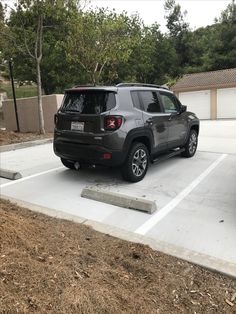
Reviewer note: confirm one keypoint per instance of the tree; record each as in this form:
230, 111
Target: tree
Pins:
2, 39
4, 66
100, 39
175, 18
229, 14
179, 34
200, 43
152, 59
26, 28
22, 28
223, 52
141, 60
207, 48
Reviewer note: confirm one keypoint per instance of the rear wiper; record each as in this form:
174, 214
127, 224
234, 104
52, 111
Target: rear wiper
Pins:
68, 111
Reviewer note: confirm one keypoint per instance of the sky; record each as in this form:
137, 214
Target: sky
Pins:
200, 12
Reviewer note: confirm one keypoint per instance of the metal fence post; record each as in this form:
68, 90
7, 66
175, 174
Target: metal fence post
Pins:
14, 95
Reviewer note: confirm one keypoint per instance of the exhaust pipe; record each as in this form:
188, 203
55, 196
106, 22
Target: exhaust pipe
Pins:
77, 165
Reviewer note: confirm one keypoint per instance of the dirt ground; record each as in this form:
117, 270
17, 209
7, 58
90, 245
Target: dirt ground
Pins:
10, 137
49, 265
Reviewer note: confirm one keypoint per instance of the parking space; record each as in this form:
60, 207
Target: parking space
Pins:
218, 136
205, 221
162, 183
196, 199
30, 160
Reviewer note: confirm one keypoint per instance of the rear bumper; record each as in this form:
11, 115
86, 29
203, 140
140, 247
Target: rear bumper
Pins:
87, 153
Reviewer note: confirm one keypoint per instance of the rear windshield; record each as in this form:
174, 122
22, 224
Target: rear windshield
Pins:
89, 102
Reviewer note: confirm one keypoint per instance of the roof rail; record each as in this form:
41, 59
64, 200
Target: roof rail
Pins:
89, 85
140, 85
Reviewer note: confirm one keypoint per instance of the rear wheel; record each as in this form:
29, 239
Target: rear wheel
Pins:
191, 145
136, 164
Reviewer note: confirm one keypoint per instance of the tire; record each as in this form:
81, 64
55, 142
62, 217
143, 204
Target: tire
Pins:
191, 145
136, 164
68, 164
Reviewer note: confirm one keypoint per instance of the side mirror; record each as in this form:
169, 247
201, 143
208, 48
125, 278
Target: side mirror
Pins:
183, 109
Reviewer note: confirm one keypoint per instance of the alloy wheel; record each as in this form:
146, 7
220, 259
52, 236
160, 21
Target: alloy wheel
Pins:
139, 162
192, 143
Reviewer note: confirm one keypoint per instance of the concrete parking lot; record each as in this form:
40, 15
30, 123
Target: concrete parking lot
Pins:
195, 198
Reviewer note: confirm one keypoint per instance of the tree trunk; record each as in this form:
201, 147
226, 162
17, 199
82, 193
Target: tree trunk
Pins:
93, 76
40, 105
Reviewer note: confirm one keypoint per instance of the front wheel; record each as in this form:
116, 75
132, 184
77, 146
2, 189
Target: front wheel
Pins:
191, 145
136, 164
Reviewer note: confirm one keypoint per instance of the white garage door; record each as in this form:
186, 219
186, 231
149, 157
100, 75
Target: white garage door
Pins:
197, 102
226, 103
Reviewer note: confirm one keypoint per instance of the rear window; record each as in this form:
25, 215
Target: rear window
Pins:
135, 100
89, 102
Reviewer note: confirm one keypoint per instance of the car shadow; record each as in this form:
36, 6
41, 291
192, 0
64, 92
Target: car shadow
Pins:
94, 175
108, 177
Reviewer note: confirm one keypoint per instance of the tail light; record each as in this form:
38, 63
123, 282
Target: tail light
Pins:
112, 122
107, 156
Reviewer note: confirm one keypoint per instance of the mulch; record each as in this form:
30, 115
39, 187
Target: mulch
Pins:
10, 137
49, 265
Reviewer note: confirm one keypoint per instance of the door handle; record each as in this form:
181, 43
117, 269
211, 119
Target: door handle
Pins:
149, 121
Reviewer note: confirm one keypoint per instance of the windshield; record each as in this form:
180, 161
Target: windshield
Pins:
89, 102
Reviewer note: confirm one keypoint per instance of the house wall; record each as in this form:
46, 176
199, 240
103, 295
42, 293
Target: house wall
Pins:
213, 104
214, 98
27, 109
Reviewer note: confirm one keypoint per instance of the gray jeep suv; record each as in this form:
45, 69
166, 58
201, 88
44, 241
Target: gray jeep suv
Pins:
126, 126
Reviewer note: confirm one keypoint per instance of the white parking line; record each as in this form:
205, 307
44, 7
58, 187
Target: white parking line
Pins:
150, 223
30, 177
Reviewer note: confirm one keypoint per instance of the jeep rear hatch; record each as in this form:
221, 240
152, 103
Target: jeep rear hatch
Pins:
88, 102
82, 109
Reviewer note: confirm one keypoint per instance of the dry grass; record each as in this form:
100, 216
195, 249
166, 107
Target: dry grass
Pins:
10, 137
55, 266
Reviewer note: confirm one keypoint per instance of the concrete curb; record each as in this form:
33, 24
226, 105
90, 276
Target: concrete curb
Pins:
44, 210
120, 200
211, 263
6, 148
9, 174
206, 261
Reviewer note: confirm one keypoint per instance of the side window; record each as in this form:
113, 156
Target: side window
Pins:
135, 100
150, 101
169, 102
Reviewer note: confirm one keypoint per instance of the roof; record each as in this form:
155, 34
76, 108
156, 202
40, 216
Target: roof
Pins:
205, 80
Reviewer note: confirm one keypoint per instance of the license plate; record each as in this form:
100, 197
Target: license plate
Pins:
77, 126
